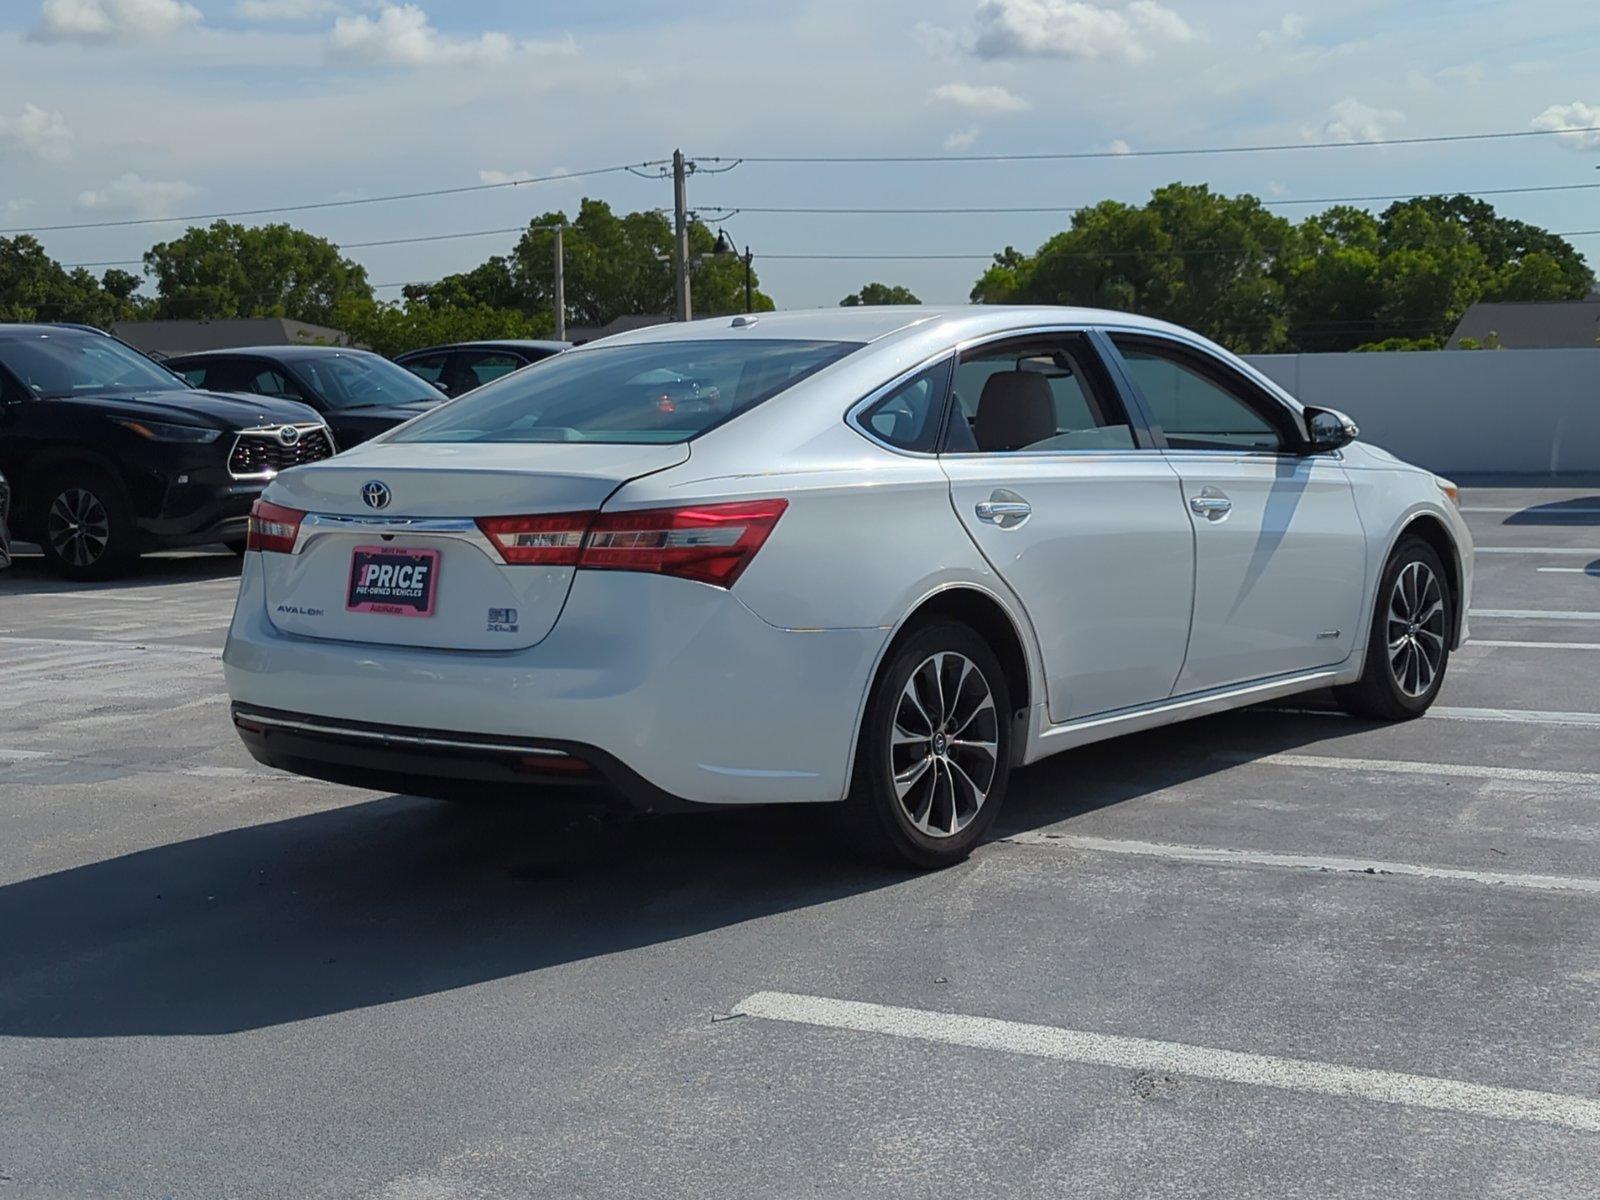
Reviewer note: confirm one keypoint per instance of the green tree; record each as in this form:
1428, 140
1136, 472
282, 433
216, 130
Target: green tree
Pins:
34, 287
614, 266
880, 293
226, 270
394, 328
1214, 263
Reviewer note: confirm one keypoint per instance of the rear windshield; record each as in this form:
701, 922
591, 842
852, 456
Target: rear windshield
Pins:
651, 392
356, 380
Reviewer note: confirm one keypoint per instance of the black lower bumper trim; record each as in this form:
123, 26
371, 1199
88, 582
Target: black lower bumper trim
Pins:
444, 764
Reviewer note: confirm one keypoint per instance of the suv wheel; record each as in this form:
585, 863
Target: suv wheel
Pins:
1408, 643
86, 526
934, 754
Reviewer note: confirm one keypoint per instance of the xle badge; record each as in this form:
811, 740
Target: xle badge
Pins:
502, 620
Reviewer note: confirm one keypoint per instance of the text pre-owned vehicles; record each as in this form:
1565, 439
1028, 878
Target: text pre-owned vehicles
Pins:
357, 392
913, 549
459, 368
109, 454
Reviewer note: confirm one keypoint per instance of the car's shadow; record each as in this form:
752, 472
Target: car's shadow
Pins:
29, 575
391, 898
1581, 510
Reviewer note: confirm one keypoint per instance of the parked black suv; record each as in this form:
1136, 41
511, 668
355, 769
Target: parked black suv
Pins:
457, 369
109, 454
357, 392
5, 531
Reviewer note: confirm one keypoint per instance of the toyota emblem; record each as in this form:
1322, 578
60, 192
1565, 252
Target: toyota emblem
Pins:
375, 494
288, 435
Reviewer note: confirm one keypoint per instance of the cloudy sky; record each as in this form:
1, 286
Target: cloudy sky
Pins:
115, 110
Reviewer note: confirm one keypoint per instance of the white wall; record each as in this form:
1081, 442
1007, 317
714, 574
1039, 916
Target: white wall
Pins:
1521, 411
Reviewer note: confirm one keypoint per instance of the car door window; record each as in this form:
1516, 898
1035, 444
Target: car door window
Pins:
908, 416
196, 375
1199, 403
269, 381
1036, 394
482, 368
426, 366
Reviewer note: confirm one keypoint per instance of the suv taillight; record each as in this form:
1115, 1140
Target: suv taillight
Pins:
273, 527
710, 543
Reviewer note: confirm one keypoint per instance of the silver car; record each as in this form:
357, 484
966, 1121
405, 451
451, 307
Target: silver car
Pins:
908, 551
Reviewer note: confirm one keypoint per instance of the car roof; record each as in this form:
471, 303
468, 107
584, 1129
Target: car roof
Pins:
41, 327
872, 323
280, 352
492, 344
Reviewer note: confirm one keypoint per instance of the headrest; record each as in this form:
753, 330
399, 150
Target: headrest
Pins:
1015, 410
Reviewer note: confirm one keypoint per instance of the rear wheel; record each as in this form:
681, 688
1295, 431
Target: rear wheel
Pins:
86, 525
1408, 645
933, 757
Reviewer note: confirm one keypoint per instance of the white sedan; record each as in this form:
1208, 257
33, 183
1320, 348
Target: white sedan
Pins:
899, 552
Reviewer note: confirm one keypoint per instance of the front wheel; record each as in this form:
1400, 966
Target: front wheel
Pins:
1408, 645
86, 526
934, 754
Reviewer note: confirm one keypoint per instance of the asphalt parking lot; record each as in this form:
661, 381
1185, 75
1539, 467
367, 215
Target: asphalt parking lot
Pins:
1278, 952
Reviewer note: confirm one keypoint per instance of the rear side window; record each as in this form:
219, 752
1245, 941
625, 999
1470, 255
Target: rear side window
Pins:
1040, 394
909, 416
486, 368
650, 392
426, 366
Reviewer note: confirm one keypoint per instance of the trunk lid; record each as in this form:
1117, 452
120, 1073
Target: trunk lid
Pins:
431, 495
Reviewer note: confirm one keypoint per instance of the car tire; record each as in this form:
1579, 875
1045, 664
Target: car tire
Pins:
85, 525
1408, 642
236, 545
940, 681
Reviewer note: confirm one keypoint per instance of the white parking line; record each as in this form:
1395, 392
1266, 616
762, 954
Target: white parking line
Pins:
1445, 712
1202, 1062
1563, 570
1568, 550
1534, 645
1302, 862
105, 643
20, 755
1531, 614
1328, 762
1533, 510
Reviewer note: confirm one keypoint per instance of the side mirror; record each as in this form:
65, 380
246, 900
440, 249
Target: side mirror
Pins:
1329, 429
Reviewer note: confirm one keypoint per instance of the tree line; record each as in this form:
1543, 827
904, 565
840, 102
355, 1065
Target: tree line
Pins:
1225, 266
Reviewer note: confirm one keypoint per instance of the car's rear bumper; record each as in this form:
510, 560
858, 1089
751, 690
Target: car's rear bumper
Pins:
675, 683
440, 763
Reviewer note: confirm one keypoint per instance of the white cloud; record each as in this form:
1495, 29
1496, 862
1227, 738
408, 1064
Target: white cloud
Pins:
132, 193
1291, 29
402, 35
1074, 29
111, 20
979, 98
489, 175
1577, 115
961, 139
1120, 146
37, 132
1353, 121
286, 10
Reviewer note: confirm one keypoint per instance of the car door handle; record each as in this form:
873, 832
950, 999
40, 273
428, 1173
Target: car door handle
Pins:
998, 512
1213, 508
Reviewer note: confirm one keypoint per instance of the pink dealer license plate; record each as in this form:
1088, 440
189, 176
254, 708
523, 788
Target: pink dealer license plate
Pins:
399, 581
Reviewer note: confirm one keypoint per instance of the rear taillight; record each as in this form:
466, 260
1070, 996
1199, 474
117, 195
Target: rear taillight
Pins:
273, 527
710, 543
551, 540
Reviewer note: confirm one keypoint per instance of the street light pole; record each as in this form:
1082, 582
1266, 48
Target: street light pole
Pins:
748, 290
561, 289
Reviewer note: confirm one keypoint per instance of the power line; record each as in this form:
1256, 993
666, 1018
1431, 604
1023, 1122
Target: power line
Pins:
287, 208
1171, 152
736, 209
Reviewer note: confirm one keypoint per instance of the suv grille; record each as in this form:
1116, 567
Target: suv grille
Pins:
266, 452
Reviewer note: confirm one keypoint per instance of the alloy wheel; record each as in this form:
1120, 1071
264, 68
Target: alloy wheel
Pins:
78, 527
1416, 629
944, 746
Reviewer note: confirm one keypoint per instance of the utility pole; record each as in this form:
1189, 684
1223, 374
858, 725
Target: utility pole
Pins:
680, 240
748, 257
561, 289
